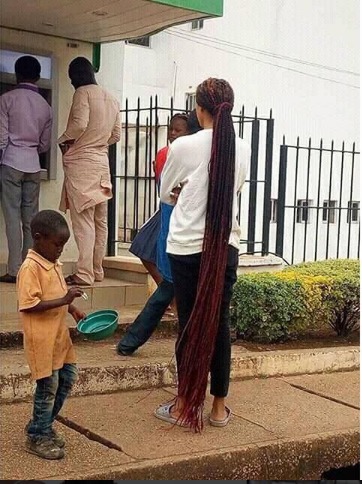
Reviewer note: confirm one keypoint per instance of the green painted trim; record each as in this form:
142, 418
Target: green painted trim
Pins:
208, 7
96, 56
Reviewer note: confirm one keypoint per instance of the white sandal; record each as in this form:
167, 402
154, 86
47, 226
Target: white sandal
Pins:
221, 423
163, 412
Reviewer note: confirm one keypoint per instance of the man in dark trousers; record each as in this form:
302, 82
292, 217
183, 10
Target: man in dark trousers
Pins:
25, 132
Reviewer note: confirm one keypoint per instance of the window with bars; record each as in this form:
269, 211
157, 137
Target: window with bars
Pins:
190, 101
329, 211
304, 211
274, 210
197, 24
142, 41
353, 212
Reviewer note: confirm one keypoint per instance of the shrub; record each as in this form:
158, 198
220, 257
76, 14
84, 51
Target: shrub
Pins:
342, 299
330, 267
276, 306
267, 308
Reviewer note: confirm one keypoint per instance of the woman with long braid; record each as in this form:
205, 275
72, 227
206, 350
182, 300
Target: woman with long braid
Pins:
203, 244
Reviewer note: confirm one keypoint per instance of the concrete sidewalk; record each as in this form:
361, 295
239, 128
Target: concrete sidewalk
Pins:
282, 428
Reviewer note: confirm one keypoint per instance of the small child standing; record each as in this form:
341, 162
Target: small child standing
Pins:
44, 301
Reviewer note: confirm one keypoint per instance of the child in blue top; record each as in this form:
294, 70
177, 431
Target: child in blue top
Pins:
163, 262
146, 322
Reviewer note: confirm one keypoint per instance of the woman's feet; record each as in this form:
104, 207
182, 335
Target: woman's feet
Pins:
220, 419
171, 412
168, 413
220, 414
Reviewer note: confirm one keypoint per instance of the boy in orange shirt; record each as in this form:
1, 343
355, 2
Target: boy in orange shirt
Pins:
44, 301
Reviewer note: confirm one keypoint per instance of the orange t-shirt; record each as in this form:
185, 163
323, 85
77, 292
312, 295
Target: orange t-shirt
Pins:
47, 340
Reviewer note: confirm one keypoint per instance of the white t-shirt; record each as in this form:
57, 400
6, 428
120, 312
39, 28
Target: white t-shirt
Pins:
188, 163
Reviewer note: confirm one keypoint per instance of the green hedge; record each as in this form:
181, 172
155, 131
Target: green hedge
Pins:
276, 306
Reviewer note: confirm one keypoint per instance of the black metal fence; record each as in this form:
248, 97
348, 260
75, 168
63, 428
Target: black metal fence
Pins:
312, 214
318, 202
144, 133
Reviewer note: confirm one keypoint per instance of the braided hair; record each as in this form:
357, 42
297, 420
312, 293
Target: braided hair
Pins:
182, 116
217, 97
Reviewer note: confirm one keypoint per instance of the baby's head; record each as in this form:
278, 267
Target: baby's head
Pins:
50, 233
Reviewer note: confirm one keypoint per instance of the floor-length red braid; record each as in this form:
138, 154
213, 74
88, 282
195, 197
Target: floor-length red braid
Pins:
202, 326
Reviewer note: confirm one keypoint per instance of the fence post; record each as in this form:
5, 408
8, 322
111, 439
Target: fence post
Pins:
137, 169
349, 211
281, 199
253, 184
268, 184
112, 222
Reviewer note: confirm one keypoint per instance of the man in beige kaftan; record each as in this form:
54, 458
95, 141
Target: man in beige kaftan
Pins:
93, 125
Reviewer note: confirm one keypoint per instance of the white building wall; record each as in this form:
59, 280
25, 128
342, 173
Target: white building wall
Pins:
298, 57
315, 102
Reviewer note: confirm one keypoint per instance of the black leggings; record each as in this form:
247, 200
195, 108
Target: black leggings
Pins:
185, 273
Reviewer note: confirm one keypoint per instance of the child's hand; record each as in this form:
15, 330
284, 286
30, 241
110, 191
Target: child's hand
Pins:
72, 294
77, 314
174, 194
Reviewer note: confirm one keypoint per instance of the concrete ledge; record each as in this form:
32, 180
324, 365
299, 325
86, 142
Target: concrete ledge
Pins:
255, 263
128, 268
94, 381
114, 378
124, 263
259, 260
68, 267
110, 293
306, 458
295, 362
247, 263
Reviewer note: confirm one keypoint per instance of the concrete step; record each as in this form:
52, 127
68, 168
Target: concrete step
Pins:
109, 293
128, 268
123, 247
101, 370
131, 265
277, 432
68, 267
257, 263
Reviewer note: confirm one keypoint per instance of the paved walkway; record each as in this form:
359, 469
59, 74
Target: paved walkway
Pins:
282, 428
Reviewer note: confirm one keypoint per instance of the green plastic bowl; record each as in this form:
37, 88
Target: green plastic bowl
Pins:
99, 325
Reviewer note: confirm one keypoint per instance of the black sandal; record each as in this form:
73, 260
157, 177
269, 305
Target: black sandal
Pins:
8, 279
72, 281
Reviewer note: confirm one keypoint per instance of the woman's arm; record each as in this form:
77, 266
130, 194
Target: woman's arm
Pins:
173, 174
